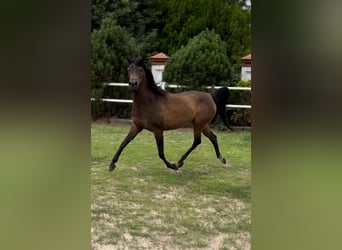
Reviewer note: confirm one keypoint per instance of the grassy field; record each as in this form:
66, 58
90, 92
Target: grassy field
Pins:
144, 205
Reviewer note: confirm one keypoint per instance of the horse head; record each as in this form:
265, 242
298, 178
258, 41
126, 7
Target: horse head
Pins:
136, 74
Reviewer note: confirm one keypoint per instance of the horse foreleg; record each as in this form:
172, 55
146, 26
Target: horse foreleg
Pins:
131, 134
160, 144
212, 137
197, 141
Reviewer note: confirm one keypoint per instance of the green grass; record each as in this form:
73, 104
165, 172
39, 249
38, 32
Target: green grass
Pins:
144, 205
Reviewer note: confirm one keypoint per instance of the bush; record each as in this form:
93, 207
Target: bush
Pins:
111, 46
202, 62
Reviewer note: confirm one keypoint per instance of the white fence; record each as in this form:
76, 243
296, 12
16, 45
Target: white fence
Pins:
163, 85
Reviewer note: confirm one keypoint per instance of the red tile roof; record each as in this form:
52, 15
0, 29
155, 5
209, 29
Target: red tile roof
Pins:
248, 57
246, 61
160, 55
159, 59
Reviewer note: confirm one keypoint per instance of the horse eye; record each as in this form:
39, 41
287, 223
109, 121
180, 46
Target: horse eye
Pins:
141, 70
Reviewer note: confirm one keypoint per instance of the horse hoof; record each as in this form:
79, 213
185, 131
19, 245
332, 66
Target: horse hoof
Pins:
111, 167
173, 166
223, 160
180, 164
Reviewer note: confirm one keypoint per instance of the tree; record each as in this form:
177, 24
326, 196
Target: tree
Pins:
139, 17
111, 46
101, 9
184, 19
202, 62
236, 30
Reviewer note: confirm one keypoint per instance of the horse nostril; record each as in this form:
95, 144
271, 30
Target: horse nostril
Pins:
134, 85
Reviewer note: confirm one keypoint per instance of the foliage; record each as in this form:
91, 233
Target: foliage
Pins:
200, 63
101, 9
241, 117
167, 25
111, 47
184, 19
139, 17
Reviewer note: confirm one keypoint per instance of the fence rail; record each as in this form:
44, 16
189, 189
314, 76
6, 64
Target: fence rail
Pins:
163, 85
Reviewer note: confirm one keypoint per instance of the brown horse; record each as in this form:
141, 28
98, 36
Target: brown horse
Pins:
157, 110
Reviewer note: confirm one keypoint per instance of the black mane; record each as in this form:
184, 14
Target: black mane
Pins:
149, 78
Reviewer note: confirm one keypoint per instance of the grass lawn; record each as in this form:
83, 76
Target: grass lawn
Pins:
144, 205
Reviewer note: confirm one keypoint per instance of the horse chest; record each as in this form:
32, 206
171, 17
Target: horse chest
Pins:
145, 117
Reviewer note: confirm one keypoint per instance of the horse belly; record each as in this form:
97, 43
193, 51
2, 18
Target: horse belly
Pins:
179, 113
182, 119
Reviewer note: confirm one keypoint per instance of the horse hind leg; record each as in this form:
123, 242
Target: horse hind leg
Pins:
212, 137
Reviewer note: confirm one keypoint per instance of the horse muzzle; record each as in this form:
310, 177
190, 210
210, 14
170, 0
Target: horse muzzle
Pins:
134, 85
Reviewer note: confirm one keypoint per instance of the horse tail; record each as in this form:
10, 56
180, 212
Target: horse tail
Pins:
220, 97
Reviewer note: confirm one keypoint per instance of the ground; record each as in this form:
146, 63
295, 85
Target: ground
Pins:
144, 205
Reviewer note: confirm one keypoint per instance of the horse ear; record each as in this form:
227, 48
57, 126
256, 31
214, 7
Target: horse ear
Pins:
143, 60
129, 60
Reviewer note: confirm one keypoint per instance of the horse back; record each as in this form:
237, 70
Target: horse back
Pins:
198, 99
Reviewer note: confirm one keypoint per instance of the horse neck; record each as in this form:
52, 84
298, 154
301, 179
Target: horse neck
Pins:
144, 102
143, 95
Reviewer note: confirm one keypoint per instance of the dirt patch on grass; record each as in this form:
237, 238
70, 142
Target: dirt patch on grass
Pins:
240, 241
169, 194
216, 242
177, 223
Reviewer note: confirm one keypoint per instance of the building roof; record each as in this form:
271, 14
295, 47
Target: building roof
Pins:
159, 59
246, 61
160, 55
247, 57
